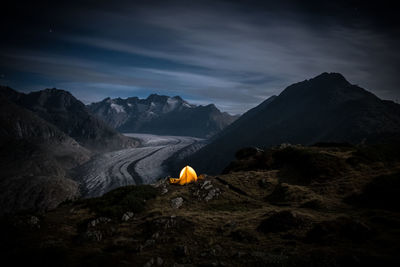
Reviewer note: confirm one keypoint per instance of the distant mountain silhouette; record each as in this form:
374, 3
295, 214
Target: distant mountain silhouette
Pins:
326, 108
71, 116
159, 114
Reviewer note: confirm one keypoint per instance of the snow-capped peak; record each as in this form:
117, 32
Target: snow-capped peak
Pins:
117, 108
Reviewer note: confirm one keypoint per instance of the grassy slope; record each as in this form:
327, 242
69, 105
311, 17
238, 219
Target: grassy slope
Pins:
263, 216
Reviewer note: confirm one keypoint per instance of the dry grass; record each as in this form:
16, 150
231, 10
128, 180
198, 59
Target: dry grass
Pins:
260, 218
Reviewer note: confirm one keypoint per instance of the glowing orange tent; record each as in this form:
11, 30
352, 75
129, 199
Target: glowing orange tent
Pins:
186, 176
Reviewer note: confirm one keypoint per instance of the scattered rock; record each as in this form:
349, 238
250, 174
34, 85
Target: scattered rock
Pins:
100, 220
206, 183
208, 187
211, 194
206, 191
164, 190
93, 235
127, 216
176, 203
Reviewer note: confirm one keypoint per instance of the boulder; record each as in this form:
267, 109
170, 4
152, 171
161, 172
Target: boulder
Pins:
100, 220
127, 216
176, 203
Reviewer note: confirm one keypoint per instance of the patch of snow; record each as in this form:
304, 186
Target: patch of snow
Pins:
186, 104
172, 104
117, 108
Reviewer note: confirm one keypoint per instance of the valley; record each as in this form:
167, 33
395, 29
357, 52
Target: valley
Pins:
132, 166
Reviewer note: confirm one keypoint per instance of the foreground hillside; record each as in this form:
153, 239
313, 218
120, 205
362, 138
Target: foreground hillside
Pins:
289, 206
324, 108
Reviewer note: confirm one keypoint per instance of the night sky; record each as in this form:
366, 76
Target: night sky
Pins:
231, 53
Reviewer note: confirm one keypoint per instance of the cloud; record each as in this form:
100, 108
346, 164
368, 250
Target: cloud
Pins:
233, 55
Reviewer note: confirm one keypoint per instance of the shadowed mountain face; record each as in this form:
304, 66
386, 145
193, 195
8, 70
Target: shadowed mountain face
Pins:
71, 116
43, 135
326, 108
34, 159
161, 115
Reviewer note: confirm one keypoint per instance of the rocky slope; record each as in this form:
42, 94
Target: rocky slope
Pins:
34, 159
287, 206
71, 116
325, 108
161, 115
43, 136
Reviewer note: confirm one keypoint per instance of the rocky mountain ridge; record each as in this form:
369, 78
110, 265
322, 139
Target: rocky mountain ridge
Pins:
164, 115
43, 135
62, 109
34, 160
326, 108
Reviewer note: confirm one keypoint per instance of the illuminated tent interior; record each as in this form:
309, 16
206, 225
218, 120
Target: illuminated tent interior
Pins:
186, 176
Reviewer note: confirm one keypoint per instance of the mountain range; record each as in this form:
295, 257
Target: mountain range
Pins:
43, 135
34, 159
164, 115
71, 116
326, 108
315, 181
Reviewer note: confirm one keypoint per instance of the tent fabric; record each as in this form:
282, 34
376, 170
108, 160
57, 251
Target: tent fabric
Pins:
187, 175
